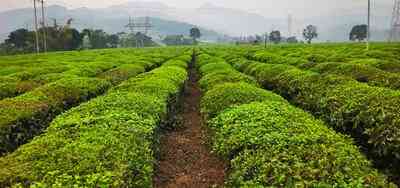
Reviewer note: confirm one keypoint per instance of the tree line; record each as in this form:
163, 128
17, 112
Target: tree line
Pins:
65, 38
358, 33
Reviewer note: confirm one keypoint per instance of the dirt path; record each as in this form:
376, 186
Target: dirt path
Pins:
185, 159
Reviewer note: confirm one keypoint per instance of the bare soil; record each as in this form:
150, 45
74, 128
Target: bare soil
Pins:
185, 159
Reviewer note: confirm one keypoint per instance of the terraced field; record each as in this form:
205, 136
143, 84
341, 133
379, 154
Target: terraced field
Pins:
210, 116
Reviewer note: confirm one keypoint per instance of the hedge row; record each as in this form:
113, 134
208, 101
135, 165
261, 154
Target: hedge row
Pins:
360, 72
215, 71
382, 56
13, 85
107, 142
23, 117
272, 144
121, 73
18, 83
370, 114
23, 75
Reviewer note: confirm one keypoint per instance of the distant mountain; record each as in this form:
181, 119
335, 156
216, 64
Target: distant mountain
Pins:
112, 20
214, 21
230, 21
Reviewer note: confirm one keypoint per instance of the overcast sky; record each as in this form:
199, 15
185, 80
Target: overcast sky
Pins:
268, 8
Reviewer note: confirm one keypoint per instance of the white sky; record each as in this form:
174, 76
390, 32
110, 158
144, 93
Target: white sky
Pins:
269, 8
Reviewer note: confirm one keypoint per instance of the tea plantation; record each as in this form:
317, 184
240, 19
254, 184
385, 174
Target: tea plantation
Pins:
323, 115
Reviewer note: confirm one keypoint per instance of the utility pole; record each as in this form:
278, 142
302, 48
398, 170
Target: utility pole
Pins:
369, 24
290, 23
44, 27
395, 24
36, 27
265, 39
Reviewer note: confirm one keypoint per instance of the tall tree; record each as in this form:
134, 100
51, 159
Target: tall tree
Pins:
309, 33
171, 40
21, 40
275, 37
98, 38
358, 32
195, 34
62, 38
292, 40
113, 40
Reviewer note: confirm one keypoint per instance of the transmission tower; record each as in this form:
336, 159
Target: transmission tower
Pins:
131, 25
395, 25
143, 27
147, 25
290, 24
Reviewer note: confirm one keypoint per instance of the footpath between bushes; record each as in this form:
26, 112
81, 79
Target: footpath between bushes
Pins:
185, 159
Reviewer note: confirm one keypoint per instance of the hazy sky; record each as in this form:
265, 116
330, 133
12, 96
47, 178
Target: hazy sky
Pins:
268, 8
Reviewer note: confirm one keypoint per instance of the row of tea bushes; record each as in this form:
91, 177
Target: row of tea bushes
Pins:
383, 56
12, 86
363, 69
106, 142
20, 74
272, 144
23, 117
360, 72
370, 114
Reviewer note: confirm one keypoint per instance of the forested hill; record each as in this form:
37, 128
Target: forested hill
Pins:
96, 19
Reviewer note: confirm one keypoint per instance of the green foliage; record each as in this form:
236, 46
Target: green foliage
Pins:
122, 73
107, 142
275, 144
224, 76
320, 95
271, 143
195, 33
309, 33
316, 58
362, 73
358, 32
158, 82
178, 63
137, 40
51, 87
275, 37
354, 107
175, 40
214, 67
23, 117
368, 113
21, 74
228, 95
